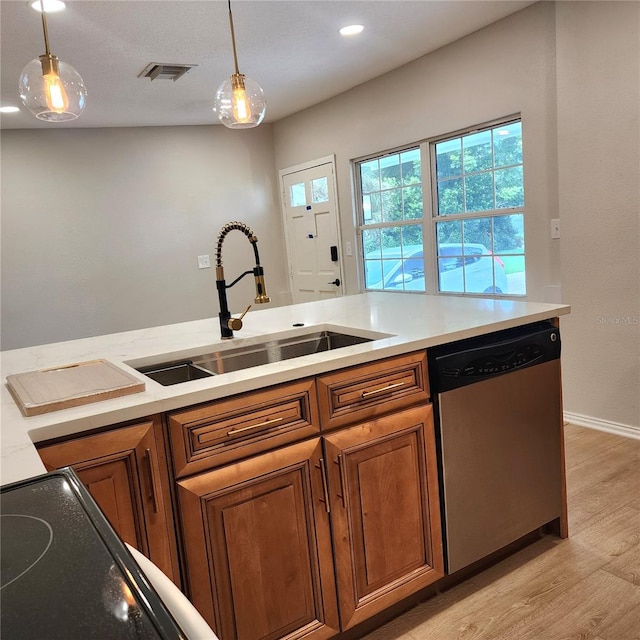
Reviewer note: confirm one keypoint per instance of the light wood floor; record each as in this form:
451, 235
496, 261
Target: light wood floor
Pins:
584, 588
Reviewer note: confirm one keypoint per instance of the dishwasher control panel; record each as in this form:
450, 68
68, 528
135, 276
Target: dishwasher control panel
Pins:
473, 360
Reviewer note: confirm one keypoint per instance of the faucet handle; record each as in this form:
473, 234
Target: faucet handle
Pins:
235, 324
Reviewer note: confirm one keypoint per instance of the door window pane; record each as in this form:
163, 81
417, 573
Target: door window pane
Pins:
297, 195
320, 190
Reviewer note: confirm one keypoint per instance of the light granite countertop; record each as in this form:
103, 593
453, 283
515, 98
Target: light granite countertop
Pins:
412, 322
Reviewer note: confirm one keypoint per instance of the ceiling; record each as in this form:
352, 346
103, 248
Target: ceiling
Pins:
291, 47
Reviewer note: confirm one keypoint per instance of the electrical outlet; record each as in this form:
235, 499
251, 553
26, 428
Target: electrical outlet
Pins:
555, 228
348, 248
204, 262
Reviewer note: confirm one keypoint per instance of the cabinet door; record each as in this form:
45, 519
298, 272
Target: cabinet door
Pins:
125, 471
258, 546
385, 511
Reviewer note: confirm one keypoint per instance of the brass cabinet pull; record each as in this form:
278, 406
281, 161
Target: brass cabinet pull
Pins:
266, 423
389, 387
343, 482
325, 487
152, 480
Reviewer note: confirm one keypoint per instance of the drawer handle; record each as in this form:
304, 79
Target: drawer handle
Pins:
266, 423
375, 392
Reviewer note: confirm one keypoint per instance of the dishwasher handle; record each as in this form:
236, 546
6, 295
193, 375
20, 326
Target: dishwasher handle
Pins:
470, 362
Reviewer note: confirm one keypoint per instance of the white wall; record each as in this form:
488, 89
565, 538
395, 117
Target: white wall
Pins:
101, 228
599, 170
503, 69
581, 145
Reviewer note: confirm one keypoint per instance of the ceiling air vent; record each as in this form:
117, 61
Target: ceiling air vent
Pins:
164, 71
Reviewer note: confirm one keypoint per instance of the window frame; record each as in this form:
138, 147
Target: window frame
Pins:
430, 215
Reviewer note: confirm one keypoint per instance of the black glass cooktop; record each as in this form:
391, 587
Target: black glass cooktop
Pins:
65, 573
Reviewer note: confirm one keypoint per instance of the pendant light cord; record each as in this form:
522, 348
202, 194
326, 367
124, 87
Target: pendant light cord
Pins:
44, 29
233, 39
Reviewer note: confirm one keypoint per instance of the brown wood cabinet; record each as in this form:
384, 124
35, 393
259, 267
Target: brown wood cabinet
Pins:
279, 543
385, 511
258, 546
125, 470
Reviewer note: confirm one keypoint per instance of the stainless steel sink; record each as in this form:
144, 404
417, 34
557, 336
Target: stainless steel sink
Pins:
170, 373
235, 359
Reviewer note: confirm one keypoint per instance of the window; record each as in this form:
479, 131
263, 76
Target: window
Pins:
480, 173
392, 214
474, 241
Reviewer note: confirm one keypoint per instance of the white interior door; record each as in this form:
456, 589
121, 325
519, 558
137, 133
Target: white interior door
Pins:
311, 223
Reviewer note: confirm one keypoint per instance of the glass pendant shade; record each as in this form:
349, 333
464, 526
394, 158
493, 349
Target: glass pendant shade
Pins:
52, 90
240, 102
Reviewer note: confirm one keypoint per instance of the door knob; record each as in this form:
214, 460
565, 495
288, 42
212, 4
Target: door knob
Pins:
336, 282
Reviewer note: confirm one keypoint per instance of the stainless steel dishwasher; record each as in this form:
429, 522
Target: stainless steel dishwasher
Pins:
500, 421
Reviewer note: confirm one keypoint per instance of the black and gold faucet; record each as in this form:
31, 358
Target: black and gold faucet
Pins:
228, 324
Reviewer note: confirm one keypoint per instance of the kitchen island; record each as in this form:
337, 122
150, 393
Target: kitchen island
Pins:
338, 448
413, 322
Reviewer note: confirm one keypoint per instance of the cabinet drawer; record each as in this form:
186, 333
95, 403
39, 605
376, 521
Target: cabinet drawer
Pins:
372, 390
226, 430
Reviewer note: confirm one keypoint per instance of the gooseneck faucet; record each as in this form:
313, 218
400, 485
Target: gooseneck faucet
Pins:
228, 324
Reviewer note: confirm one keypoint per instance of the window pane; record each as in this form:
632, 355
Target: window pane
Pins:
509, 251
509, 188
410, 167
390, 171
449, 158
477, 152
372, 244
372, 208
319, 190
478, 192
447, 232
509, 233
399, 263
412, 203
450, 197
297, 195
507, 144
370, 176
391, 205
478, 232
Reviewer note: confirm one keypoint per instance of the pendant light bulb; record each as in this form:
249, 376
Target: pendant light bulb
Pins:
240, 102
51, 89
54, 92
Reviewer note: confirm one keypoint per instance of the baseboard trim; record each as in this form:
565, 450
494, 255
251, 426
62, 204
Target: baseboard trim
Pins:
617, 428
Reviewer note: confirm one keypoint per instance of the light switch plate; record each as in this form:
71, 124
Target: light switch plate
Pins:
204, 262
349, 250
555, 228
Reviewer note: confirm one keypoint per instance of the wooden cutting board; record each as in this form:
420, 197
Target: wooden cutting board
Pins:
45, 390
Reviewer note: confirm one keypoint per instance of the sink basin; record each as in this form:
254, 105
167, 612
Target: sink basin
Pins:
253, 355
175, 372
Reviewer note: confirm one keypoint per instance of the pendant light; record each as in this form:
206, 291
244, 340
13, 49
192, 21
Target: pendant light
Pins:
51, 89
240, 102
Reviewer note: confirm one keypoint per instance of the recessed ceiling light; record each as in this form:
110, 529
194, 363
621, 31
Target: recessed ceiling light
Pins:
9, 109
50, 6
352, 30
